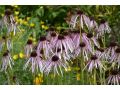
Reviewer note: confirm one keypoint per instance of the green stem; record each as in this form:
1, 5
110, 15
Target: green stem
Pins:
104, 77
101, 79
94, 76
8, 78
82, 72
104, 44
90, 81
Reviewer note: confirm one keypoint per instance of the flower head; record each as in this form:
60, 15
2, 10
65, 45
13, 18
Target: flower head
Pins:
114, 77
35, 62
79, 19
55, 64
6, 61
9, 22
103, 28
94, 62
29, 47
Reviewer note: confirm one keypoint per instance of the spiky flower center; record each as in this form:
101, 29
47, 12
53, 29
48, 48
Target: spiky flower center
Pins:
14, 78
61, 37
114, 72
82, 44
65, 33
43, 38
117, 50
94, 57
76, 31
91, 18
58, 49
102, 21
29, 42
89, 35
8, 12
3, 37
5, 54
79, 12
55, 58
112, 44
53, 34
33, 54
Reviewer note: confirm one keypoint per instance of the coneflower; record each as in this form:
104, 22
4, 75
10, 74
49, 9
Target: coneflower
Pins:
53, 39
2, 42
100, 52
29, 47
69, 43
10, 22
92, 24
6, 61
35, 63
114, 77
110, 51
64, 42
44, 45
103, 28
116, 56
5, 42
94, 62
49, 32
83, 50
86, 38
55, 64
92, 39
62, 55
75, 36
81, 18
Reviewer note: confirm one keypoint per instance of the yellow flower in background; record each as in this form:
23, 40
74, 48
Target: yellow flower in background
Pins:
31, 38
16, 18
20, 21
21, 55
38, 80
2, 14
44, 27
22, 30
15, 57
28, 18
16, 12
68, 69
25, 22
78, 76
40, 75
32, 25
42, 22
